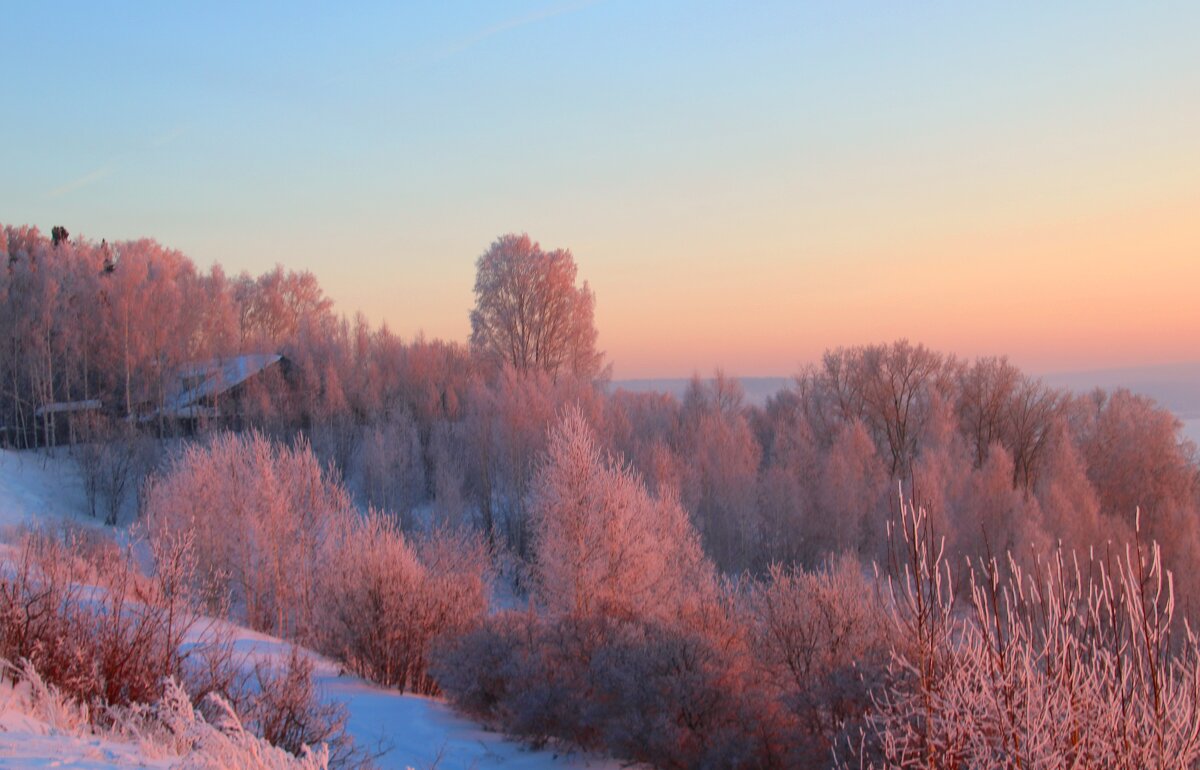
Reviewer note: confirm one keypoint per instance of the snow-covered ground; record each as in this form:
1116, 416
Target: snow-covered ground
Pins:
415, 731
27, 742
34, 485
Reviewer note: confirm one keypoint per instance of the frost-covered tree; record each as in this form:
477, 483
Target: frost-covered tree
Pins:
506, 426
530, 314
259, 513
383, 599
603, 544
1068, 501
889, 388
391, 472
851, 492
640, 427
720, 471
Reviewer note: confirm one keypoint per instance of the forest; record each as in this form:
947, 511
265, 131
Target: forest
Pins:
904, 559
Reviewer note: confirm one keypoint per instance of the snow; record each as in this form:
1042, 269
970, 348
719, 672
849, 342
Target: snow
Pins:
200, 381
32, 738
432, 735
39, 486
27, 743
415, 731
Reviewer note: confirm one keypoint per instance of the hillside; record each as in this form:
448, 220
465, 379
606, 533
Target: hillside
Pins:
411, 731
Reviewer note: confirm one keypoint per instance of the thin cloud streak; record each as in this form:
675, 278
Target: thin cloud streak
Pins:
86, 180
429, 55
510, 24
102, 172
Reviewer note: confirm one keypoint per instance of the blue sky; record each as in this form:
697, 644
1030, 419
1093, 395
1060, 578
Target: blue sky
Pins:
751, 182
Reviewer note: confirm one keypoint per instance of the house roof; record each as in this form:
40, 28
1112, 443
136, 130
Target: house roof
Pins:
198, 381
59, 407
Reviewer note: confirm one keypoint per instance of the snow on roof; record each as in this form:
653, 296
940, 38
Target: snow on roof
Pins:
67, 406
201, 380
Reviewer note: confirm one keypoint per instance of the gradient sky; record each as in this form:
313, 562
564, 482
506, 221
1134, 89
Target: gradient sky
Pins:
742, 184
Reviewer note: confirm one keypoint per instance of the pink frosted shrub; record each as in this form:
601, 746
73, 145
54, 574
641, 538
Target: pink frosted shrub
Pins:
383, 600
258, 513
524, 674
819, 642
263, 519
603, 544
670, 696
284, 708
1071, 663
107, 643
675, 698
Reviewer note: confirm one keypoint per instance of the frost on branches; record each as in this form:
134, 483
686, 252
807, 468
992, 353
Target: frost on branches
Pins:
1067, 663
603, 544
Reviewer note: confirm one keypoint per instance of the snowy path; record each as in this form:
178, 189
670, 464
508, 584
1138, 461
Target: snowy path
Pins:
416, 731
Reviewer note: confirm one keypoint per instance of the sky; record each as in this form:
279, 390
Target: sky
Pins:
743, 185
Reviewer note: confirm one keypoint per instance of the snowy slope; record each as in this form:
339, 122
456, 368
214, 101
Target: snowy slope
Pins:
416, 731
27, 743
34, 485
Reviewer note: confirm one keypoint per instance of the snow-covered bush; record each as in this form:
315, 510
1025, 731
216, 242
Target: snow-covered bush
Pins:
675, 698
170, 728
820, 643
281, 539
283, 707
96, 640
383, 599
276, 699
479, 670
258, 513
527, 674
109, 642
224, 742
43, 701
666, 695
1071, 663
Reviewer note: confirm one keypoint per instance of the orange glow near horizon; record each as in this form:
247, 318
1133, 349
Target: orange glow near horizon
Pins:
1108, 288
1062, 279
1093, 293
